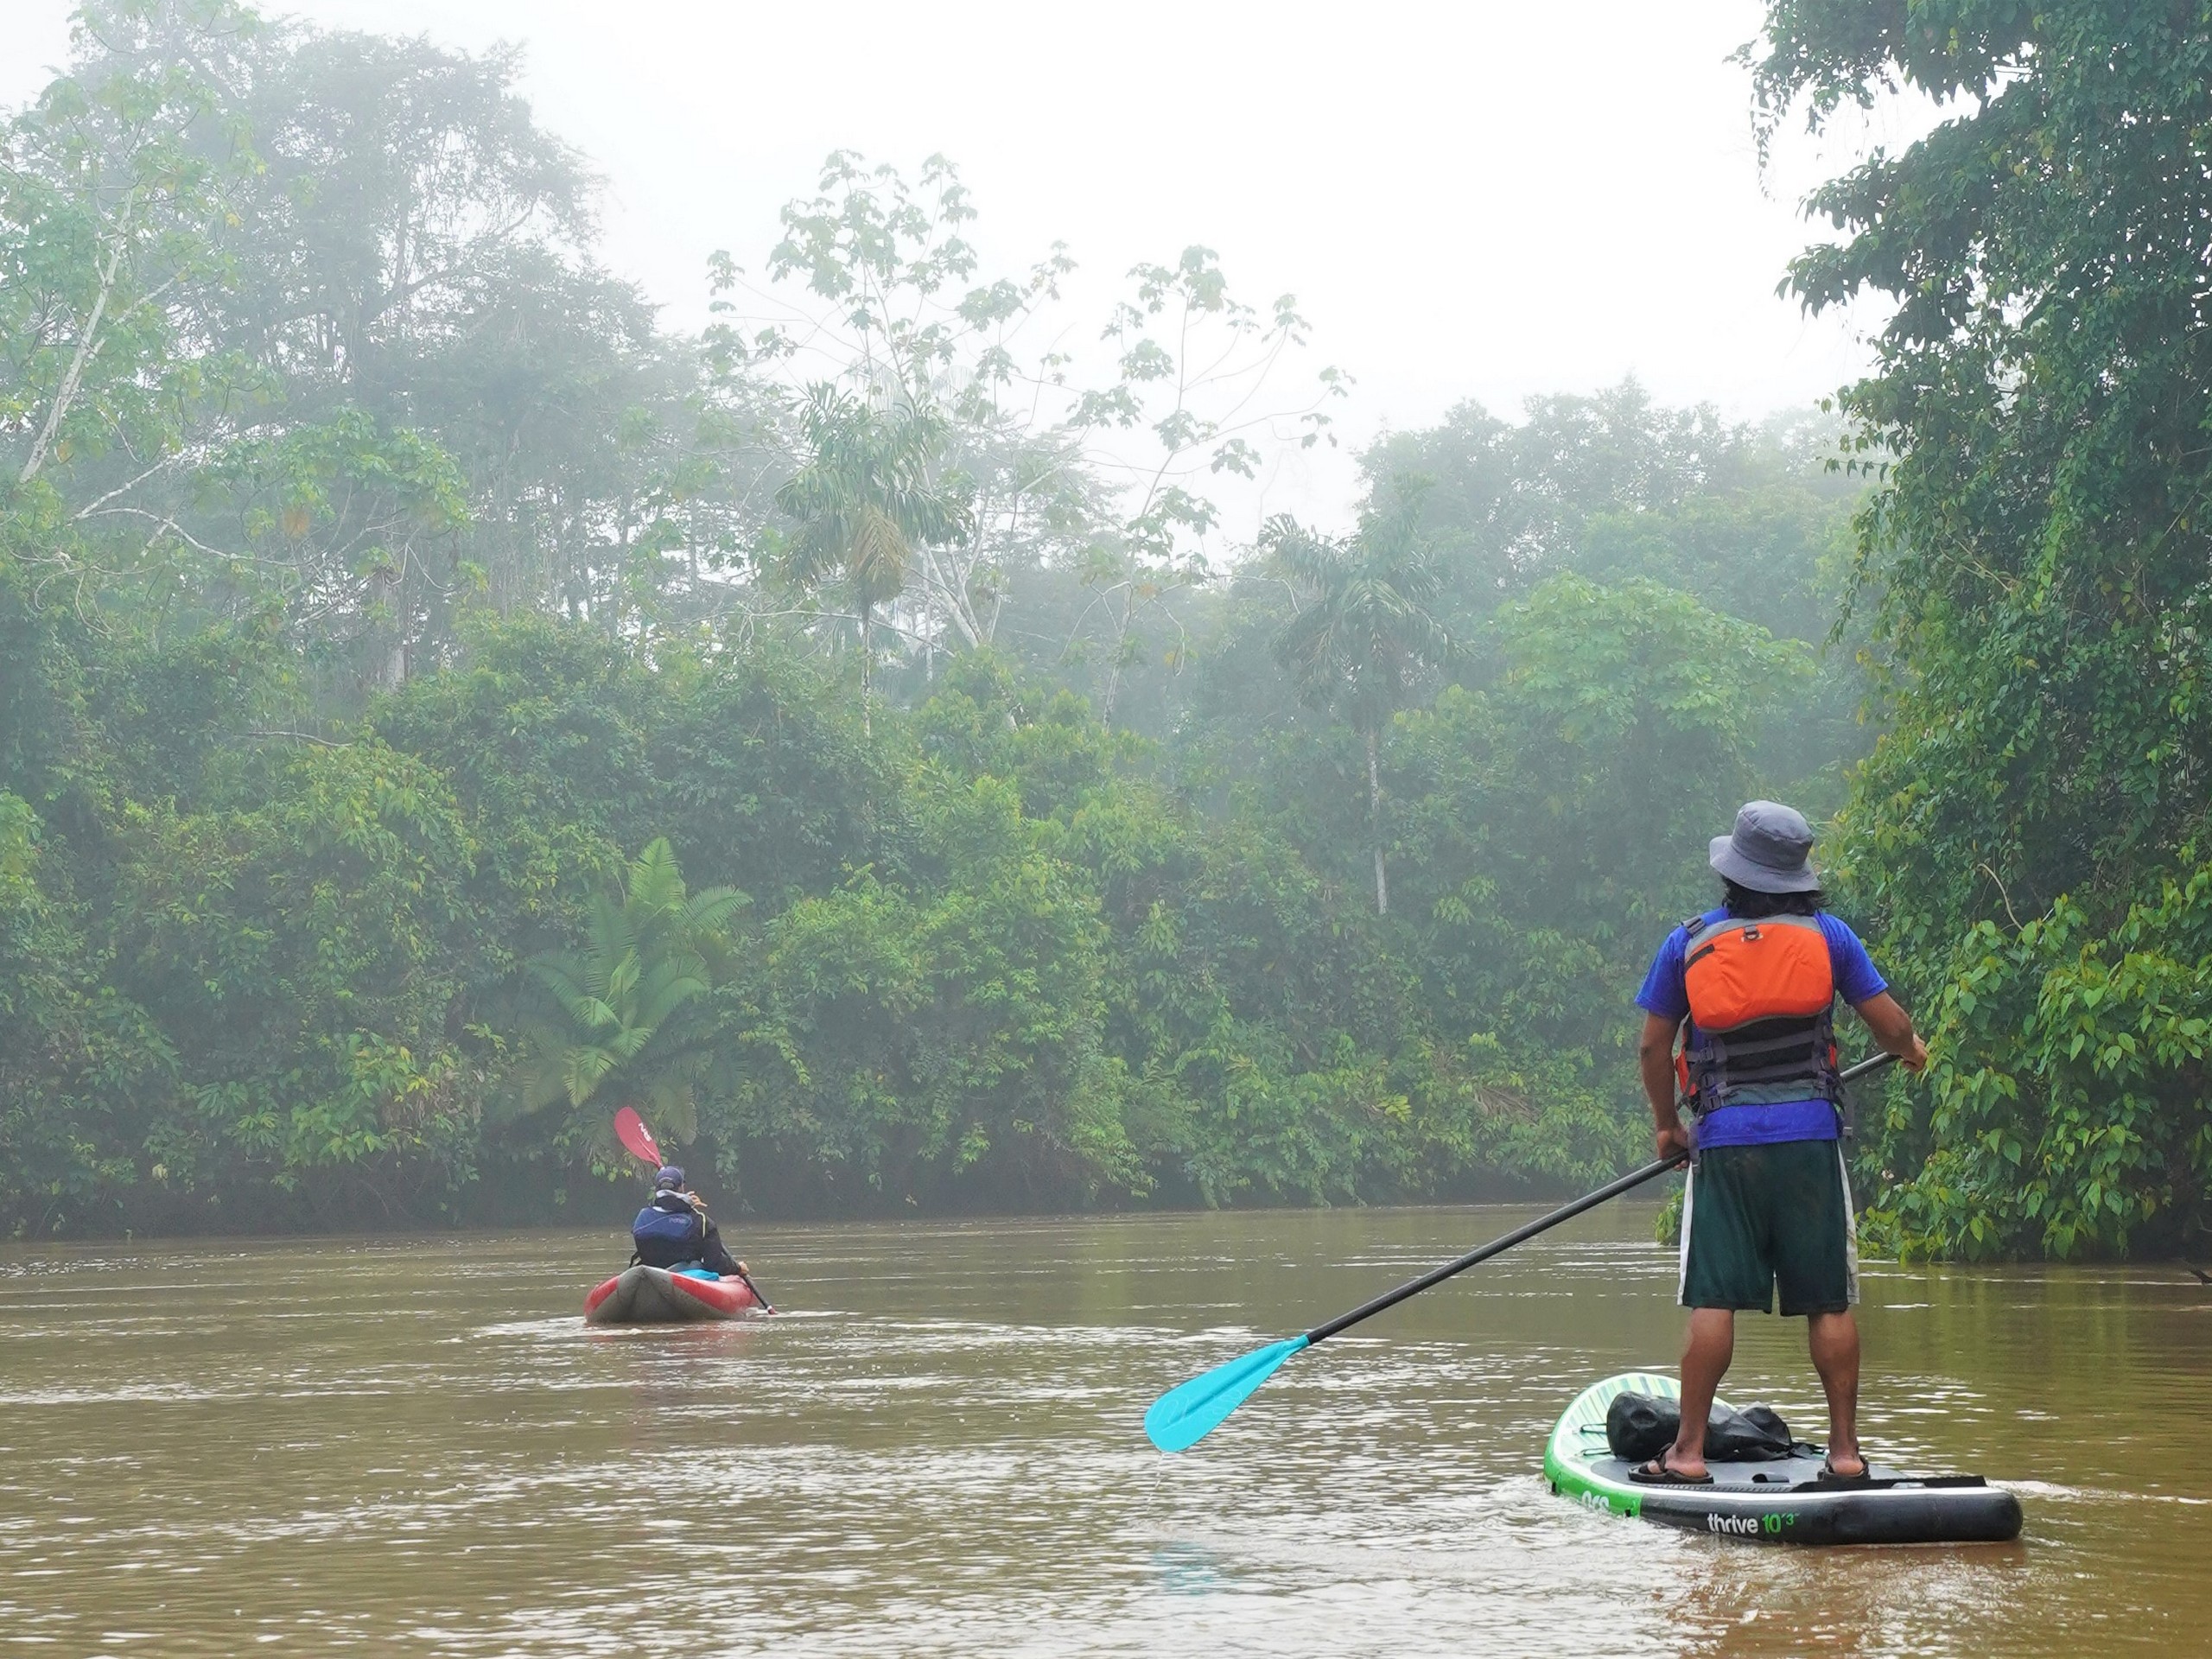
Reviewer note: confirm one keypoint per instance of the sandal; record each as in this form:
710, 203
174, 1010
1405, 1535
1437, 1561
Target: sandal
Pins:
1660, 1472
1831, 1476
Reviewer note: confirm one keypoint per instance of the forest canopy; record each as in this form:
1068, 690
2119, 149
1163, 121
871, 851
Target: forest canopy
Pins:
2029, 836
440, 702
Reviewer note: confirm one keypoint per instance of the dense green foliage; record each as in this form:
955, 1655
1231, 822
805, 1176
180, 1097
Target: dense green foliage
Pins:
2031, 835
438, 705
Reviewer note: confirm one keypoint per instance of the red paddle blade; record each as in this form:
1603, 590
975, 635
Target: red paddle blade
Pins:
630, 1129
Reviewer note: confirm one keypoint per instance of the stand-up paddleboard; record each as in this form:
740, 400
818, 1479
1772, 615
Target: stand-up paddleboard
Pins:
1783, 1501
644, 1295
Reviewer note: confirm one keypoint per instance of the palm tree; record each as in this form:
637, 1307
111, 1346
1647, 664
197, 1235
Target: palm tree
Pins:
865, 499
623, 992
1362, 638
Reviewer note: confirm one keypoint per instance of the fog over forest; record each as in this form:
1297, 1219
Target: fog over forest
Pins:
1534, 202
940, 726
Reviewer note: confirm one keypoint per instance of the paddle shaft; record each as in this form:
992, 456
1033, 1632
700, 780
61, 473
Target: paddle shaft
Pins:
745, 1279
1520, 1234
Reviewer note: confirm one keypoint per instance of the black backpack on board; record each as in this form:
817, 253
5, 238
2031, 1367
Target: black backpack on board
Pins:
1639, 1426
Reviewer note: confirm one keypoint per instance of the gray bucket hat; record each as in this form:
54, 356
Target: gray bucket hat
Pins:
1769, 851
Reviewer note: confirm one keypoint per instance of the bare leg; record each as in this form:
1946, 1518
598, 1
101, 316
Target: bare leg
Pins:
1833, 1340
1706, 1350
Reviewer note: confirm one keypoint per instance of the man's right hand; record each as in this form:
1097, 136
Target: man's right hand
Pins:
1892, 1029
1672, 1139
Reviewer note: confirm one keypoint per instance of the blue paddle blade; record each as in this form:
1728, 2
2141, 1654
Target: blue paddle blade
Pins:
1189, 1412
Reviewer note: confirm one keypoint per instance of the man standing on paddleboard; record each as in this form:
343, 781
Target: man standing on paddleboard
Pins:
1739, 1011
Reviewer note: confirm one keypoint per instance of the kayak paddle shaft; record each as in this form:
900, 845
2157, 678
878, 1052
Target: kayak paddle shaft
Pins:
745, 1279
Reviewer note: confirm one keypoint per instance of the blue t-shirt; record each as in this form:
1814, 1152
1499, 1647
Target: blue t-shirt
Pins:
1857, 981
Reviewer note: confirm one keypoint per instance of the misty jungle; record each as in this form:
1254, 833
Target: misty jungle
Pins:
878, 734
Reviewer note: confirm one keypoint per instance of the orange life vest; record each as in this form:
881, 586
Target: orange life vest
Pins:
1761, 1027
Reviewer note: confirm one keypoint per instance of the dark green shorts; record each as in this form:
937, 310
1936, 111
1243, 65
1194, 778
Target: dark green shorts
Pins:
1754, 1218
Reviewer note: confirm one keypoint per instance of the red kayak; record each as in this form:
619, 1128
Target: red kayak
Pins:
644, 1295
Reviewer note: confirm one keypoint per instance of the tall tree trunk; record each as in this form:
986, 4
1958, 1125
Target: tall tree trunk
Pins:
392, 670
1114, 669
1375, 824
66, 394
868, 728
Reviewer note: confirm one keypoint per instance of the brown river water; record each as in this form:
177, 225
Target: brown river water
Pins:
415, 1446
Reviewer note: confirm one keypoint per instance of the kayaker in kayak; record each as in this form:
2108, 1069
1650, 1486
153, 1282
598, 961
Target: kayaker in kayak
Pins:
1749, 991
675, 1229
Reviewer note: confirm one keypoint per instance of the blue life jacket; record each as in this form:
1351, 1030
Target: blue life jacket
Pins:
668, 1232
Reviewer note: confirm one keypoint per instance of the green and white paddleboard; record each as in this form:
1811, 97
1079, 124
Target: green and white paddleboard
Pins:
1783, 1501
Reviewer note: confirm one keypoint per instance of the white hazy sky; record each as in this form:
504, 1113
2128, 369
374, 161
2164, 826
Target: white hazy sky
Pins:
1483, 199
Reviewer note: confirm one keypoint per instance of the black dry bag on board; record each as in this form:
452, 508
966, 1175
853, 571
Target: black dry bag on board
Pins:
1639, 1426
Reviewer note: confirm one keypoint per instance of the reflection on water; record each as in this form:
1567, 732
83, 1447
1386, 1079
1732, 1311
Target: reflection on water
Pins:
419, 1447
1183, 1569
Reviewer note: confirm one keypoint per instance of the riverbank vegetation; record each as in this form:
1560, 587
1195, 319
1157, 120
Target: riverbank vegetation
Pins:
440, 700
2031, 840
